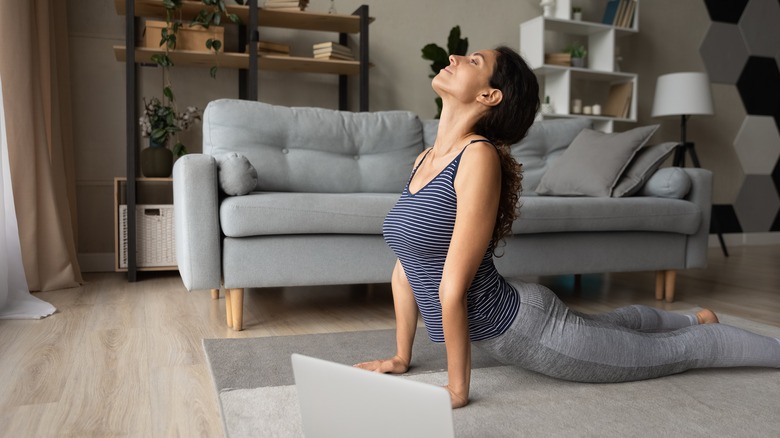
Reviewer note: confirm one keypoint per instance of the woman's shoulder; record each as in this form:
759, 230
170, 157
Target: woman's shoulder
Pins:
480, 151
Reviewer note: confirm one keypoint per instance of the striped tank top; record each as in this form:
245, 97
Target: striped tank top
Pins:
419, 229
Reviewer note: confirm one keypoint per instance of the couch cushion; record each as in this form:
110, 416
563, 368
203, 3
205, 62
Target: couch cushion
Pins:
669, 182
545, 214
316, 149
545, 143
263, 213
593, 163
237, 176
642, 167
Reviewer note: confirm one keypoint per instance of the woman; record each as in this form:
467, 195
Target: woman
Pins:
460, 202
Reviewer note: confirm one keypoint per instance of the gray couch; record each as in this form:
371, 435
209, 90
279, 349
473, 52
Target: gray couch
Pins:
326, 179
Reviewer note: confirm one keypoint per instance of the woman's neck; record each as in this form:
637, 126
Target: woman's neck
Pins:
456, 125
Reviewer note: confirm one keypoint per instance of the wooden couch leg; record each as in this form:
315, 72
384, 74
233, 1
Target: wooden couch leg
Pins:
671, 277
214, 294
237, 306
228, 308
659, 284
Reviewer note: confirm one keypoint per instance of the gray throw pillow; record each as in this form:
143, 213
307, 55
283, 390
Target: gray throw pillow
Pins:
669, 182
237, 176
644, 164
593, 162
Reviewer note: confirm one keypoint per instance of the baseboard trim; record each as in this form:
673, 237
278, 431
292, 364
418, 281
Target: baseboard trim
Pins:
97, 262
744, 239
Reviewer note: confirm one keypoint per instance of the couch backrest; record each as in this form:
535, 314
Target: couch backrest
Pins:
315, 149
545, 142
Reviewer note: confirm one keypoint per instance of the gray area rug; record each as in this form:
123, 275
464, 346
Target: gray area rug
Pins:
254, 382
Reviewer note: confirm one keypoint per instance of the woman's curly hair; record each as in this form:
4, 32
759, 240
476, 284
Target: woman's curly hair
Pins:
506, 124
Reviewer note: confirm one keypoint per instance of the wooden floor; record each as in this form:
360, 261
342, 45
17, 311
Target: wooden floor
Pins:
125, 359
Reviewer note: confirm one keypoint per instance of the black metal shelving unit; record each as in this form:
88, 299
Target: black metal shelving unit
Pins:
248, 65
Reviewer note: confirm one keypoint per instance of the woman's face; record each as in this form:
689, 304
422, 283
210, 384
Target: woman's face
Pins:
467, 77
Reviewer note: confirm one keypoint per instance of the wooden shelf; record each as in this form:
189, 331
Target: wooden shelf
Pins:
587, 73
241, 60
286, 19
573, 27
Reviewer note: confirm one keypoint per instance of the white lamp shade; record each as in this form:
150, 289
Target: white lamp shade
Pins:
679, 94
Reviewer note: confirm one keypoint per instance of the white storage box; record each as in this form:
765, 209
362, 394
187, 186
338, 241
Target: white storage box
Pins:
156, 244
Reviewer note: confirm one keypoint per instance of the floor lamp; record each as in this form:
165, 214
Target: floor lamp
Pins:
684, 95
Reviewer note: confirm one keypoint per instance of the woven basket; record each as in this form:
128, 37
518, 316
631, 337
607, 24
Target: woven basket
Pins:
156, 244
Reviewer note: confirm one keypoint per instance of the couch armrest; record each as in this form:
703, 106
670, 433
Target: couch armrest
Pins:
701, 195
196, 216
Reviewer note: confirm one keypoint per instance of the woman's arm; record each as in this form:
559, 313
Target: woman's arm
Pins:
478, 187
406, 314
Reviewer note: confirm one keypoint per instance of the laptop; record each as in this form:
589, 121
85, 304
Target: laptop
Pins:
342, 401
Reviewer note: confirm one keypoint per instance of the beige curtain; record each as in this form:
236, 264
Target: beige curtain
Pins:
34, 67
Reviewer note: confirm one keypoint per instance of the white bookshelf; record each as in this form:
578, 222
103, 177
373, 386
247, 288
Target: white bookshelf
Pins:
563, 84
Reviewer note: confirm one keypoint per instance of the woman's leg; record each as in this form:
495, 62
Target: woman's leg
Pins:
643, 318
549, 338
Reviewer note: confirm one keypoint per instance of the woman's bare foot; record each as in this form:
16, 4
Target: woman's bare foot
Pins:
706, 316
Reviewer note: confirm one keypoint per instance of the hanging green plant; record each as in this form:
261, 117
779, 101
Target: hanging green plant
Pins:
441, 58
212, 15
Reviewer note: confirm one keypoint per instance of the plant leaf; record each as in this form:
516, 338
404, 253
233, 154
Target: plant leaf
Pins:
179, 149
234, 18
168, 92
213, 72
216, 45
432, 52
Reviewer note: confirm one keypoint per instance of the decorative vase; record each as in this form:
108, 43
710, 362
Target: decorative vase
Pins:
578, 62
156, 161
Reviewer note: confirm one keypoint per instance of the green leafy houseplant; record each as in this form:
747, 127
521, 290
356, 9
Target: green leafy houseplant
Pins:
440, 57
577, 51
160, 121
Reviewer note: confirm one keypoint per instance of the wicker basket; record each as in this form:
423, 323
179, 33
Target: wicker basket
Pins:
156, 243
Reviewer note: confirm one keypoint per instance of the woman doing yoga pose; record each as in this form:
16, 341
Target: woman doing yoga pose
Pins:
460, 202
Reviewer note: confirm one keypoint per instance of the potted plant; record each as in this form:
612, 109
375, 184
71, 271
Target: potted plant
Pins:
441, 58
160, 123
578, 53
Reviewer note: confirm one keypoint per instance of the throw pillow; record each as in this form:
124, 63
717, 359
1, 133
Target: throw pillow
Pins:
644, 164
593, 162
237, 176
669, 182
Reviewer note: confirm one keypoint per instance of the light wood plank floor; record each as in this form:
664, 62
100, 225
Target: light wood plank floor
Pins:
125, 359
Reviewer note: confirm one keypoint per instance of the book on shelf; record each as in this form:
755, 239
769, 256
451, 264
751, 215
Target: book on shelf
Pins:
610, 11
619, 100
620, 13
286, 5
563, 59
270, 46
329, 49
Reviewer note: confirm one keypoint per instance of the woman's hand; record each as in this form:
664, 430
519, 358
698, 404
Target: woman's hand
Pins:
458, 400
394, 365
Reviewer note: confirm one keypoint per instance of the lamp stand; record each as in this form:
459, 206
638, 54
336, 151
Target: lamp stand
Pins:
679, 161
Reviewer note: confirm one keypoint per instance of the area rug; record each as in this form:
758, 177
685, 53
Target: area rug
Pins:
254, 382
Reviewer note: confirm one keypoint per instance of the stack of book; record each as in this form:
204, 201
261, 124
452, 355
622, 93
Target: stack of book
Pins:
620, 13
286, 5
331, 50
558, 59
271, 48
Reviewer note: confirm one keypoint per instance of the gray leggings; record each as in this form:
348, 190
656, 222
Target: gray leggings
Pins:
630, 343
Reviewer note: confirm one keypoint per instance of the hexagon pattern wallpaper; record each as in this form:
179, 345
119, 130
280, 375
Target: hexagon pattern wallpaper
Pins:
742, 48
